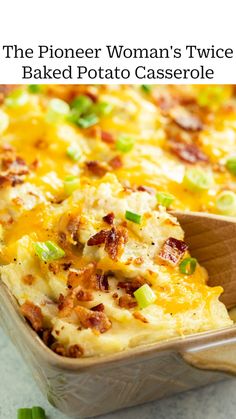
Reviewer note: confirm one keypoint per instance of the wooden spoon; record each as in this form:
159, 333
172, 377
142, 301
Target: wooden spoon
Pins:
212, 240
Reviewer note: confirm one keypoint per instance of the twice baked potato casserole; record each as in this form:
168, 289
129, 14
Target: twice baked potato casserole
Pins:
89, 174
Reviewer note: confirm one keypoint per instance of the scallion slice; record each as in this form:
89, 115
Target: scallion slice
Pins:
231, 165
147, 88
131, 216
73, 152
188, 266
57, 110
71, 183
17, 99
103, 108
24, 413
4, 121
144, 296
124, 143
226, 203
48, 251
88, 120
81, 104
38, 413
165, 199
197, 179
35, 88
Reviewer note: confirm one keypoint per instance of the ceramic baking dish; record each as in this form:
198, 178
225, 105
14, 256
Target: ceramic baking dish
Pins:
90, 387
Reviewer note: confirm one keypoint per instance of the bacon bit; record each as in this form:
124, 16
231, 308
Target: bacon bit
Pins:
138, 261
93, 319
97, 168
116, 163
103, 282
189, 153
41, 144
33, 314
126, 301
47, 337
98, 238
59, 349
132, 285
99, 307
75, 351
4, 90
173, 250
107, 137
186, 120
66, 266
137, 315
54, 268
73, 226
115, 242
141, 188
109, 218
82, 295
86, 277
66, 304
35, 164
115, 295
166, 102
28, 279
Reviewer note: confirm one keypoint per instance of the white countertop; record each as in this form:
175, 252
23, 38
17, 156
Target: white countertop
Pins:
17, 389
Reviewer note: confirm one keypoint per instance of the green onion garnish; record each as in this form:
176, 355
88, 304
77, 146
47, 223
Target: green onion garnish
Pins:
17, 98
124, 143
81, 104
48, 251
73, 152
88, 121
4, 121
71, 183
165, 199
226, 203
57, 110
38, 413
103, 108
131, 216
231, 165
188, 266
147, 88
35, 88
144, 296
197, 179
24, 413
211, 96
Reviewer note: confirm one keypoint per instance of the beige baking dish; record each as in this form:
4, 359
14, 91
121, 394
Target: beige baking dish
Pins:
90, 387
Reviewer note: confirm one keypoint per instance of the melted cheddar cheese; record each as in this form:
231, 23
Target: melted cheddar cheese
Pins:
83, 302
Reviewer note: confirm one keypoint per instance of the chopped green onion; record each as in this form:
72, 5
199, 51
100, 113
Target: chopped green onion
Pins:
124, 143
226, 203
103, 108
88, 121
147, 88
211, 96
197, 179
35, 88
188, 266
131, 216
17, 98
144, 296
57, 110
81, 104
24, 413
231, 165
38, 413
73, 152
71, 183
48, 251
4, 121
165, 199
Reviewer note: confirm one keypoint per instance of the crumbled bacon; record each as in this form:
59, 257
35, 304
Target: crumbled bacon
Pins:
187, 121
189, 153
115, 242
47, 337
116, 162
82, 295
75, 351
59, 349
4, 90
103, 282
131, 285
28, 279
98, 307
86, 277
33, 314
98, 238
66, 304
173, 250
126, 301
142, 188
54, 268
97, 168
109, 218
137, 315
107, 137
73, 226
93, 319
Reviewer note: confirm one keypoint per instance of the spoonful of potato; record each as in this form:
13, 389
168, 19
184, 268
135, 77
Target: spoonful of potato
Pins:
212, 240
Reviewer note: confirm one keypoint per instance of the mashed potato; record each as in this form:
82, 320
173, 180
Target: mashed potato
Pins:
88, 247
